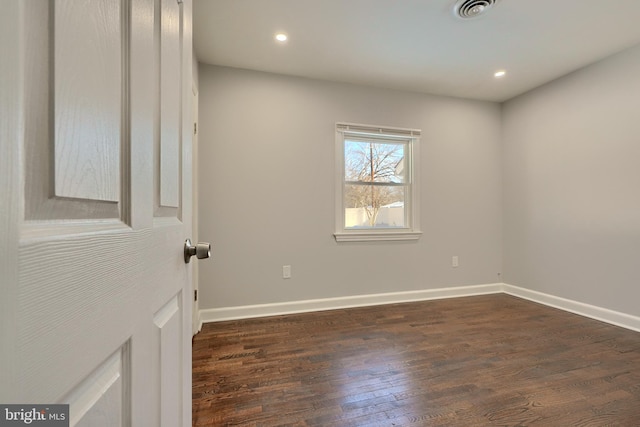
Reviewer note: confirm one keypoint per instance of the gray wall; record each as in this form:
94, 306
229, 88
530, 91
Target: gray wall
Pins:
572, 186
266, 166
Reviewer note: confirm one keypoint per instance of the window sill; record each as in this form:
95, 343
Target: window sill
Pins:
377, 236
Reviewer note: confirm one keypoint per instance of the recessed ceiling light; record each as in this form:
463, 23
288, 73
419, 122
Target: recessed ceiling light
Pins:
281, 37
500, 73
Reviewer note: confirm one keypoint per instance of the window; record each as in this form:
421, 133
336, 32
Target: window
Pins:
376, 183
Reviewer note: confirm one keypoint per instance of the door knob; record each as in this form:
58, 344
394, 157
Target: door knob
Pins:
200, 250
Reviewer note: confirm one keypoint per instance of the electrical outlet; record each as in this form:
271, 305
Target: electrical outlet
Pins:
286, 272
455, 261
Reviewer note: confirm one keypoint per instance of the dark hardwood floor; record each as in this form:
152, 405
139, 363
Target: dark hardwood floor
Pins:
492, 360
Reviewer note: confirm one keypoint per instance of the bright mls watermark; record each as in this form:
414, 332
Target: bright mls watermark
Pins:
34, 415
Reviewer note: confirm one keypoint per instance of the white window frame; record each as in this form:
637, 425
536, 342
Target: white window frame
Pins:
412, 201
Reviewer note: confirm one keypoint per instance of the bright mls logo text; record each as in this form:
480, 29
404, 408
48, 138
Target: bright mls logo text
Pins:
38, 415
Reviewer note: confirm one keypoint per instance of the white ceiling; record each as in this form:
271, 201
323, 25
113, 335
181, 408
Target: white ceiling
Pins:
416, 45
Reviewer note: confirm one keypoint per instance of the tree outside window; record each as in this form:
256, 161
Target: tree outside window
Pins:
374, 181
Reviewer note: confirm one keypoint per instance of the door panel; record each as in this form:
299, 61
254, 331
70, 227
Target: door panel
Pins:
94, 313
64, 127
89, 40
101, 399
168, 321
169, 102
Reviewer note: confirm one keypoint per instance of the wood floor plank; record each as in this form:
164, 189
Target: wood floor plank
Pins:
493, 360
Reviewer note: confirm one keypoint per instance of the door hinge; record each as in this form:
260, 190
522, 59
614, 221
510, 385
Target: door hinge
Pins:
195, 295
195, 128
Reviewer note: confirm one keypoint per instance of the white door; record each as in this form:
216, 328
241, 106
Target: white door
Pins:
95, 206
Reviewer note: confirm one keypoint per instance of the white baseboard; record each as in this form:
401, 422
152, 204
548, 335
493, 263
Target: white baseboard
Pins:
262, 310
598, 313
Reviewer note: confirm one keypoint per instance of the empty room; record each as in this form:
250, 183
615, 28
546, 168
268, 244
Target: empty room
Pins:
320, 213
422, 213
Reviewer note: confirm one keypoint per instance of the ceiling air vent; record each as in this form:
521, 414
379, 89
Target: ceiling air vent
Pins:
467, 9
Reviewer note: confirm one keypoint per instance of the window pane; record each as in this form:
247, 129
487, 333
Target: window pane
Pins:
374, 206
374, 161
